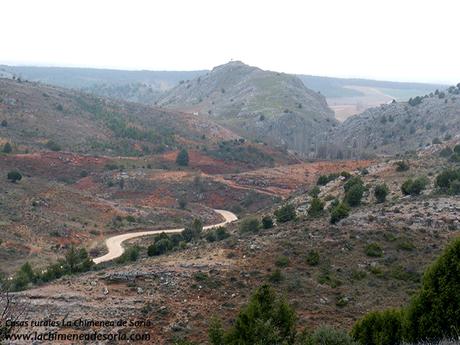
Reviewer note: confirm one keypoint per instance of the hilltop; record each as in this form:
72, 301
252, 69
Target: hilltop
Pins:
263, 105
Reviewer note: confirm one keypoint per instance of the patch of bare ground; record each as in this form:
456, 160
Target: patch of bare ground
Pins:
285, 179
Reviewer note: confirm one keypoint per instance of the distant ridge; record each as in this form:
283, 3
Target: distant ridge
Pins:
93, 78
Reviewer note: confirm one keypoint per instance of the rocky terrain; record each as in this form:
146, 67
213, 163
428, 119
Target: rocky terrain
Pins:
267, 106
180, 291
400, 126
35, 114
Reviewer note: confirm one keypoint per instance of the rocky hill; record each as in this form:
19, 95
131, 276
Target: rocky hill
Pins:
267, 106
398, 127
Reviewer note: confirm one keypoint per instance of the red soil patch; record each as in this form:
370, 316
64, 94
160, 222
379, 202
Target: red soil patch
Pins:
170, 176
17, 246
204, 163
53, 164
283, 180
86, 183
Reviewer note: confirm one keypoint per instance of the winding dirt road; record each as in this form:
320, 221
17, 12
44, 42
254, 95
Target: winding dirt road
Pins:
116, 250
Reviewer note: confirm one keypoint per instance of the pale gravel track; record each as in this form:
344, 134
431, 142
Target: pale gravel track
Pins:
114, 243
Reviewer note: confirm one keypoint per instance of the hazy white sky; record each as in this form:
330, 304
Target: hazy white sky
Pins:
387, 39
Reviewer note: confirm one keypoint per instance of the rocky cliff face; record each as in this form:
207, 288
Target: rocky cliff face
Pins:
272, 107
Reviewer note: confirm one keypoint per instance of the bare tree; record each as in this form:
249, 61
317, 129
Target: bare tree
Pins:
11, 311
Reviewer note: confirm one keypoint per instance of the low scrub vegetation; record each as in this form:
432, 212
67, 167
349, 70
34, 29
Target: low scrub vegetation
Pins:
285, 213
448, 181
53, 146
451, 155
314, 192
433, 313
325, 179
316, 207
380, 192
276, 276
386, 328
75, 261
446, 152
164, 243
269, 319
7, 148
354, 195
238, 151
339, 212
125, 129
14, 176
282, 261
313, 258
182, 158
373, 250
217, 234
249, 225
353, 181
161, 245
267, 222
402, 166
414, 186
130, 255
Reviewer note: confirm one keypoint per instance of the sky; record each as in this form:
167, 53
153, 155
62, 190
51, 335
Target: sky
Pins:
402, 40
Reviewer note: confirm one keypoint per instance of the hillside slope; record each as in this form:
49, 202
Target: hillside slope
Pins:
35, 114
267, 106
134, 86
399, 127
